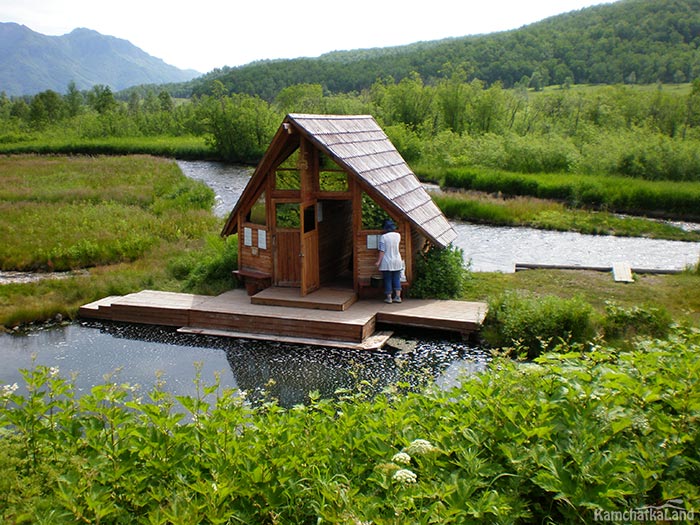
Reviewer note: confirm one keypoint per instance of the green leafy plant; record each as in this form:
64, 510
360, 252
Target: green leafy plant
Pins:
624, 323
535, 324
440, 273
556, 440
208, 271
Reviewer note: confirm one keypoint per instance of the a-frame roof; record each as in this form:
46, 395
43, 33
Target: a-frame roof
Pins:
360, 146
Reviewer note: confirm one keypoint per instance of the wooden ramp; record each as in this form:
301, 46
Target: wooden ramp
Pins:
233, 314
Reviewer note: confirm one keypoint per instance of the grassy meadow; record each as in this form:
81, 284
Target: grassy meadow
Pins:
137, 222
133, 221
56, 143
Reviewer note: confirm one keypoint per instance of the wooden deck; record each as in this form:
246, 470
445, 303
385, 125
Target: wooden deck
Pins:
235, 314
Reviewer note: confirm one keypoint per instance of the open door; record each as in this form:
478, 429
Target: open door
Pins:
286, 245
310, 280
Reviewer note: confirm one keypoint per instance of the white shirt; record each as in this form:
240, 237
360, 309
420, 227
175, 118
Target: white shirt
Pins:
389, 244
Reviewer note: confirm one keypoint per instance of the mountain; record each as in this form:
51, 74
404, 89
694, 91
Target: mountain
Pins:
31, 62
633, 41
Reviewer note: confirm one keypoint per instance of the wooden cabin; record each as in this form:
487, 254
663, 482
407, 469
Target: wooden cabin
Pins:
311, 214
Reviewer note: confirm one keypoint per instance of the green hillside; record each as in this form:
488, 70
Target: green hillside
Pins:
628, 41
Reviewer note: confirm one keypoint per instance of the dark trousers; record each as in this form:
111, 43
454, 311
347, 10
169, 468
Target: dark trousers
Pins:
392, 281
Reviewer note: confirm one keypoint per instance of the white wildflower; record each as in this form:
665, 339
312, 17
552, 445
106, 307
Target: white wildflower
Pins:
401, 457
53, 371
420, 446
404, 476
8, 390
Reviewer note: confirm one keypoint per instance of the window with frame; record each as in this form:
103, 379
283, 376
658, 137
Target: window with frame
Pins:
373, 215
258, 211
287, 215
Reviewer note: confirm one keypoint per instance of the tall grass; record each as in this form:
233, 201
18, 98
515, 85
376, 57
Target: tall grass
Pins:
613, 193
124, 218
546, 214
69, 213
180, 147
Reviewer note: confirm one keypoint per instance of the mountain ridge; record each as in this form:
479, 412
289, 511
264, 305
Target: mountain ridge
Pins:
31, 62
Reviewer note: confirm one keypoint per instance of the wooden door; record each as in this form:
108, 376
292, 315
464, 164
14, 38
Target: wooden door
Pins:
310, 280
287, 258
287, 244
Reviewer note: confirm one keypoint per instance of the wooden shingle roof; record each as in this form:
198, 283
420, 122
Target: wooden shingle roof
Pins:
357, 143
360, 146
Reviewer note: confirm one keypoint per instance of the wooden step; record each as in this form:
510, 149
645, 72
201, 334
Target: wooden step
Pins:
99, 309
333, 299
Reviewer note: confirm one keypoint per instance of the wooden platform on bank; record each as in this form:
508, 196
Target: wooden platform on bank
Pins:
324, 317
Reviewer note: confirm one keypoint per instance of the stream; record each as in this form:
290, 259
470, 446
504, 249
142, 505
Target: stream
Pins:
143, 355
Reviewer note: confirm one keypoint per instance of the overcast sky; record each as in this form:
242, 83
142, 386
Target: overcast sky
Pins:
206, 34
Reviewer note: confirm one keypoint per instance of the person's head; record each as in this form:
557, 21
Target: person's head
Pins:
389, 225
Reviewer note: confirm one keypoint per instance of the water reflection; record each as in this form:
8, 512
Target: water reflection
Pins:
143, 354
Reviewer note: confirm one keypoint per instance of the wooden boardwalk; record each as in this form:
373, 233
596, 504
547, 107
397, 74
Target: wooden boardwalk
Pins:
328, 318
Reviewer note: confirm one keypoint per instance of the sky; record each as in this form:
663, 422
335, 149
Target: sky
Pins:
208, 34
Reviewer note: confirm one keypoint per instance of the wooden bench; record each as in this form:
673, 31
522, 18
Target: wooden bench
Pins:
254, 280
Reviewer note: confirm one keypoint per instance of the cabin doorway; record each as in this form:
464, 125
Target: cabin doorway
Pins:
296, 246
335, 234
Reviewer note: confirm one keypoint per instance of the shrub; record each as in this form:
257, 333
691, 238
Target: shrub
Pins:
440, 273
208, 272
625, 323
537, 324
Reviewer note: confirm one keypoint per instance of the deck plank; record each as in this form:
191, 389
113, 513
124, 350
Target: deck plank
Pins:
622, 272
374, 342
460, 316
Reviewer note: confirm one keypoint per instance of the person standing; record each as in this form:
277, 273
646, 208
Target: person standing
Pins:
389, 262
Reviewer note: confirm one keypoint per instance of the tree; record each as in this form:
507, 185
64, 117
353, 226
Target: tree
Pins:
166, 101
301, 98
453, 98
101, 99
409, 102
74, 100
241, 126
46, 108
134, 106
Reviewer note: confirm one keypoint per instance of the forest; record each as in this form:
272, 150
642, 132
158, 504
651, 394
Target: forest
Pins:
648, 132
628, 41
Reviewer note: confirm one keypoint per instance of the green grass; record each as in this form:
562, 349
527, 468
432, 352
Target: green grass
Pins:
551, 215
675, 199
181, 147
124, 218
676, 293
682, 89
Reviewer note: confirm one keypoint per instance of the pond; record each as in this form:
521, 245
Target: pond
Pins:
145, 355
